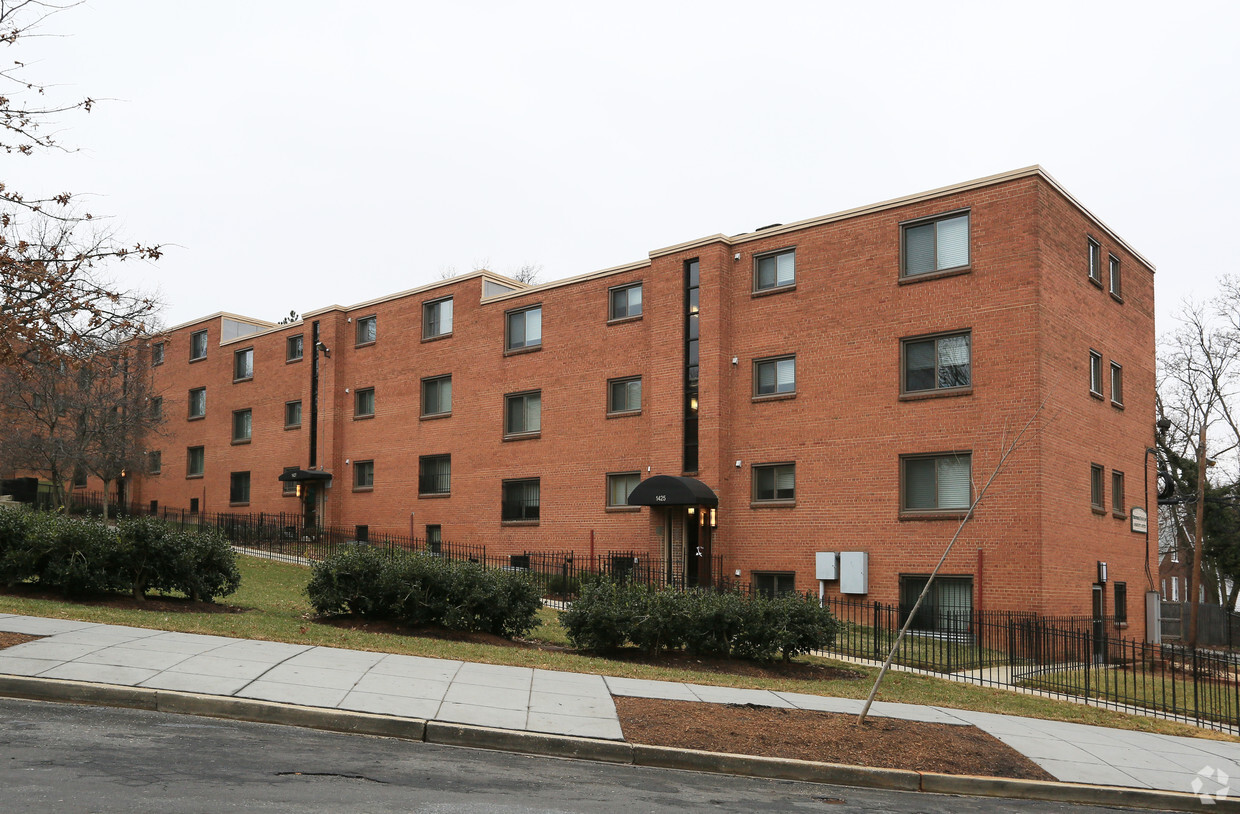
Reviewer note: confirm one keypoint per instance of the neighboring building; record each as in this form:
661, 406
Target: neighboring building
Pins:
841, 384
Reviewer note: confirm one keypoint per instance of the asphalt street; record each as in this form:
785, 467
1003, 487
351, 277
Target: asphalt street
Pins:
76, 759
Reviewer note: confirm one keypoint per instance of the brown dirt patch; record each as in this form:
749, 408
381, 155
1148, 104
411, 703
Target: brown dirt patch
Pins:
160, 604
797, 671
10, 639
822, 736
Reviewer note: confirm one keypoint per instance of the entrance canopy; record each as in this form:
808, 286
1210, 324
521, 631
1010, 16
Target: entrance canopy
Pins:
305, 476
672, 490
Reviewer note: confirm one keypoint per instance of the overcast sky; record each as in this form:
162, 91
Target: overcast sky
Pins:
293, 154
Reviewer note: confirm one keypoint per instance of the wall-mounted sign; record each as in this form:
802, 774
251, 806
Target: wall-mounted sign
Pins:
1140, 522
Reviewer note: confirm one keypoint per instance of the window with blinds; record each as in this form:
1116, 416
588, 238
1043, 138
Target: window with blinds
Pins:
773, 482
619, 485
772, 377
523, 413
936, 245
624, 395
936, 483
938, 363
775, 270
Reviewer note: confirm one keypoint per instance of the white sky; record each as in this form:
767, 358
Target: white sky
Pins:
294, 154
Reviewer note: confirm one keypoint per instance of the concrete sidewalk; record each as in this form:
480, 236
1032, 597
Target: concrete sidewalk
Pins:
519, 699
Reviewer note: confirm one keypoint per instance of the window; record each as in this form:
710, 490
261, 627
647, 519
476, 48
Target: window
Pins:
1175, 590
154, 462
437, 395
198, 402
619, 486
624, 395
520, 501
294, 348
1117, 384
773, 584
437, 318
289, 487
434, 538
157, 408
79, 477
936, 483
238, 488
197, 346
524, 328
364, 403
363, 475
292, 414
435, 474
1121, 603
1096, 487
773, 377
1116, 282
624, 302
157, 354
367, 330
523, 413
1095, 373
936, 245
775, 270
194, 459
937, 363
1095, 261
947, 608
774, 482
241, 426
1117, 493
243, 365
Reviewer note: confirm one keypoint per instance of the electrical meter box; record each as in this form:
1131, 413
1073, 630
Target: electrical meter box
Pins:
854, 572
826, 565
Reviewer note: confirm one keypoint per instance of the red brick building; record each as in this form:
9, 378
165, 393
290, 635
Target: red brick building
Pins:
841, 384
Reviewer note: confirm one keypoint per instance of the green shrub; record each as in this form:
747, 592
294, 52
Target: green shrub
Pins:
83, 556
608, 615
712, 622
350, 581
602, 618
420, 588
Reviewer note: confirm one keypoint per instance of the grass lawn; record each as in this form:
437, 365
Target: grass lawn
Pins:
277, 610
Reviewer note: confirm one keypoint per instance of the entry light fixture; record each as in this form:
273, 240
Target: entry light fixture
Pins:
299, 490
693, 403
692, 510
714, 521
1102, 571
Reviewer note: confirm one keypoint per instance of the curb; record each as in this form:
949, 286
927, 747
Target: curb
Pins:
619, 752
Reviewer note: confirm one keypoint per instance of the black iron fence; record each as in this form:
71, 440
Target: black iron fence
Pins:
1066, 656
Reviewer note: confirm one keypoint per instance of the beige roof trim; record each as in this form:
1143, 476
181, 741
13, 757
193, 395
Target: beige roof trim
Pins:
581, 278
978, 183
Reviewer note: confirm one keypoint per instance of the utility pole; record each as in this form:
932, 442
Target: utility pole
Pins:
1193, 587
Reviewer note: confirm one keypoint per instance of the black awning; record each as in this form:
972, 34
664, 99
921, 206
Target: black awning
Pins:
673, 490
305, 476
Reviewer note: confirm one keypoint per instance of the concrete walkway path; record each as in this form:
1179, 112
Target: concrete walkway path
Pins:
544, 701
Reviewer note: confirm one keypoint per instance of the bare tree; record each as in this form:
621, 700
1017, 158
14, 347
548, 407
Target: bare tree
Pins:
1197, 393
528, 273
56, 298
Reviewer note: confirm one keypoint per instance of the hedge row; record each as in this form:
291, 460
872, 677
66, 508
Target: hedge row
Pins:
82, 556
609, 615
419, 588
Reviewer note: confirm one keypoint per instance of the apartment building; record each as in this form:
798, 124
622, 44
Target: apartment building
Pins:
812, 405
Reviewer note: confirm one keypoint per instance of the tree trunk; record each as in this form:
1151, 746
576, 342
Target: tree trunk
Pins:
1233, 596
106, 483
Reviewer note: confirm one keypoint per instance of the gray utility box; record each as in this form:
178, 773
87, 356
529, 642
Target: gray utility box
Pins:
826, 565
854, 572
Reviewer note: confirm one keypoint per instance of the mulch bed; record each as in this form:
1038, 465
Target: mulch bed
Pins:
822, 736
10, 639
